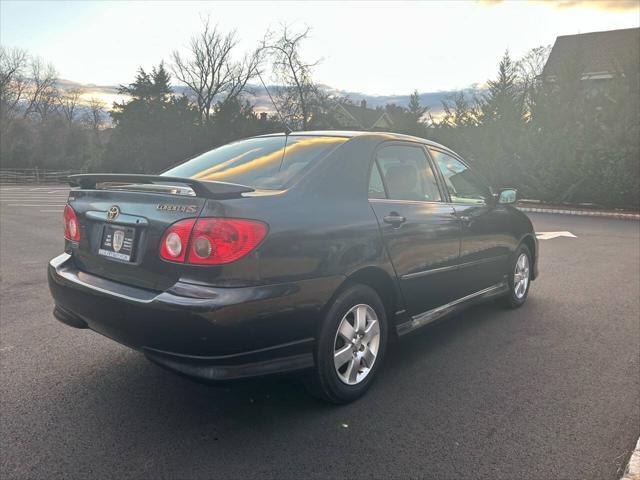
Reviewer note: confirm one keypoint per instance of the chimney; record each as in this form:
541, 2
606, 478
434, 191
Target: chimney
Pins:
363, 103
263, 116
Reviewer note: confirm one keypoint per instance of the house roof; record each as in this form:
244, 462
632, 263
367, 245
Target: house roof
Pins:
366, 117
599, 53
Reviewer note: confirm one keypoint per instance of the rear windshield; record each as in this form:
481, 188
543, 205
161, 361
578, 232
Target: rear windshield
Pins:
265, 163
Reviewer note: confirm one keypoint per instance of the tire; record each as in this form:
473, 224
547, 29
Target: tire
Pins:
518, 292
352, 378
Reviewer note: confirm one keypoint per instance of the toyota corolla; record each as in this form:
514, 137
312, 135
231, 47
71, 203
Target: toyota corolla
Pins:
307, 252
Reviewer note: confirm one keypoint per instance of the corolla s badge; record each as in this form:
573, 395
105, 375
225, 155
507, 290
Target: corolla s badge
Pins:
177, 208
113, 213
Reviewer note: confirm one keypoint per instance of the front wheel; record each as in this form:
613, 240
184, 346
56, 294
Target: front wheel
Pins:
519, 278
350, 347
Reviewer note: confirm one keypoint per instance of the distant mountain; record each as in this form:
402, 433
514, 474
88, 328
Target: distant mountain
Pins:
258, 95
433, 100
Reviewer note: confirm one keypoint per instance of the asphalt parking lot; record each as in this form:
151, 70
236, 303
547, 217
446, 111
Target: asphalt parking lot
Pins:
544, 392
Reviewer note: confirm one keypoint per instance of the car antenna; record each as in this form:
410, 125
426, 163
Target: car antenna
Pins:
287, 129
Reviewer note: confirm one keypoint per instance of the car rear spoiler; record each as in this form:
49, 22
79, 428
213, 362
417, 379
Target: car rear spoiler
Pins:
201, 188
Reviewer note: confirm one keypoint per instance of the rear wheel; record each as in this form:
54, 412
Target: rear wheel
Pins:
519, 278
350, 347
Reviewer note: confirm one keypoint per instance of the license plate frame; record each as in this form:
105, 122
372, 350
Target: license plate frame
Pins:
118, 243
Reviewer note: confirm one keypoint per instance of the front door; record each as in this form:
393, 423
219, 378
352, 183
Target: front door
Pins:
420, 231
486, 237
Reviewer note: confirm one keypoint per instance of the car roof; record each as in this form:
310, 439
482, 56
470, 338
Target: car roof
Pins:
356, 133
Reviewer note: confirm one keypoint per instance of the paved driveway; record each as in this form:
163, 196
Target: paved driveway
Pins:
548, 391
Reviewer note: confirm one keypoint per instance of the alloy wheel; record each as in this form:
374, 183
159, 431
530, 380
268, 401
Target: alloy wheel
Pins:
521, 276
356, 344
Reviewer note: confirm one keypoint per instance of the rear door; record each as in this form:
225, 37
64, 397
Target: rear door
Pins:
420, 231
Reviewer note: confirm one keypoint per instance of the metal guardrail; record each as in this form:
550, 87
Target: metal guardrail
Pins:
35, 175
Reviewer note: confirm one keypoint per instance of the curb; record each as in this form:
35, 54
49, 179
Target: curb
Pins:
632, 472
584, 213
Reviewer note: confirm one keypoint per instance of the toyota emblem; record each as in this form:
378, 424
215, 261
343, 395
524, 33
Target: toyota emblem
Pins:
113, 213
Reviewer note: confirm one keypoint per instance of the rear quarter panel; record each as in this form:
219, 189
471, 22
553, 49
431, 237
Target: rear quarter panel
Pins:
321, 231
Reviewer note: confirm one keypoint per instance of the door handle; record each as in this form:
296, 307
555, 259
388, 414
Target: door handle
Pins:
394, 219
465, 219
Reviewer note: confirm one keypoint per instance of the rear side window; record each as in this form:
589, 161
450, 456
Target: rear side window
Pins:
266, 162
407, 174
376, 187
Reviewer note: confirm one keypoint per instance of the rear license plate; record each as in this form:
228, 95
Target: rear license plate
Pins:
117, 242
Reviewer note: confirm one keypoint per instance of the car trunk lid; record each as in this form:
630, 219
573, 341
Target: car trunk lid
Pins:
122, 219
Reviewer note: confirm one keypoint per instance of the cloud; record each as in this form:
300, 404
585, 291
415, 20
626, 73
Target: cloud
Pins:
611, 5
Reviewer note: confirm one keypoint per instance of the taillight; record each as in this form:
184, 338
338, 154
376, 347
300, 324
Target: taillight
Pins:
211, 241
215, 241
71, 226
174, 242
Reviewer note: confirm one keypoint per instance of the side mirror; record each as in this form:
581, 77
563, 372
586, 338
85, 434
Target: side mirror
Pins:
508, 196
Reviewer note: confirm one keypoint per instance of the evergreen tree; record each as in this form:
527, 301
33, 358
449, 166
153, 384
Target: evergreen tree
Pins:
503, 102
234, 119
415, 110
153, 129
458, 112
409, 120
502, 122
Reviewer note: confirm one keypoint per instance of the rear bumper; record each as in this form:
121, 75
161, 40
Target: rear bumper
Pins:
201, 331
271, 361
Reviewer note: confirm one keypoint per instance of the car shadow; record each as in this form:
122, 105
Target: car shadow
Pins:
281, 393
134, 398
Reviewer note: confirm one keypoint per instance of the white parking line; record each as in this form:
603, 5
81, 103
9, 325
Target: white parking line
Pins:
32, 205
27, 190
28, 195
31, 202
31, 185
57, 192
39, 197
550, 235
30, 192
48, 199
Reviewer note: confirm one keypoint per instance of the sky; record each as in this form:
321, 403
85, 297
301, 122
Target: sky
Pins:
377, 48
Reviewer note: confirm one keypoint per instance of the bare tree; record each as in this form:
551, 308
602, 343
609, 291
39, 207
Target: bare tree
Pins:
13, 82
530, 66
95, 115
42, 93
297, 92
68, 103
241, 72
529, 69
209, 70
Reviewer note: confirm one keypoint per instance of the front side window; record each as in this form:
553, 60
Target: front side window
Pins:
407, 174
463, 185
264, 162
